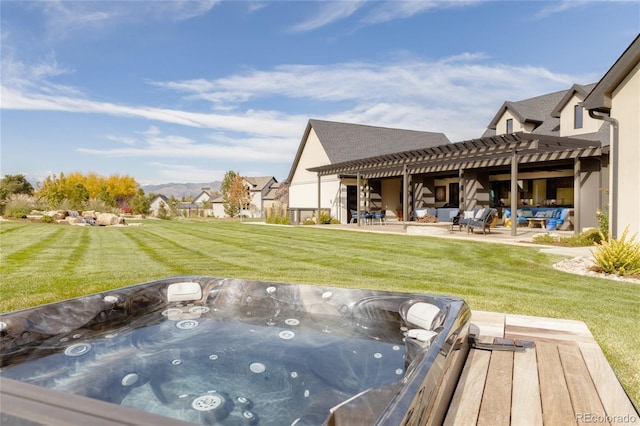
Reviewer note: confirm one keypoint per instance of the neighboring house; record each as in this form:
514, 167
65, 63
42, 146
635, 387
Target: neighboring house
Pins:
199, 207
327, 142
259, 187
616, 99
270, 198
156, 202
217, 206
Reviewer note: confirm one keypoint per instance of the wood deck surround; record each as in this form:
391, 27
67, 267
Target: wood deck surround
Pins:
564, 380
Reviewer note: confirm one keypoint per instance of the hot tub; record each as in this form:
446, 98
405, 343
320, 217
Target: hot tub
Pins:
216, 351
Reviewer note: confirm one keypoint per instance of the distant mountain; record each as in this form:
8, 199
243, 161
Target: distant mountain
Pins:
180, 190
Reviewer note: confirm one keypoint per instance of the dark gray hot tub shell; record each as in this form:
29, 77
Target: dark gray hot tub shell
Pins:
421, 396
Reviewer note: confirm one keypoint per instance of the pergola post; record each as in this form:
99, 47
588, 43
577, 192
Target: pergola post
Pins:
319, 198
358, 199
514, 193
461, 186
405, 195
576, 195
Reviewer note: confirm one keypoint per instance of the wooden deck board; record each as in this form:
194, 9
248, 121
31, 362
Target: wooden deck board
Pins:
554, 393
565, 379
472, 378
583, 393
495, 409
526, 408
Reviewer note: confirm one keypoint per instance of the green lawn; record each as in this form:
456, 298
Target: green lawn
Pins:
43, 263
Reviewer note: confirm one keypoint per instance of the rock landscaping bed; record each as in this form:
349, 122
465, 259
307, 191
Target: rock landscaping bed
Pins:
586, 265
76, 218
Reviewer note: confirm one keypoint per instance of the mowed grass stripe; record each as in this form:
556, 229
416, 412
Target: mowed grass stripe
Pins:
28, 242
11, 227
181, 255
37, 255
227, 254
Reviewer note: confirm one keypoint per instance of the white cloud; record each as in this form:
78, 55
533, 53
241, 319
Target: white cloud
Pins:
184, 173
328, 13
62, 18
153, 143
393, 10
457, 95
374, 12
459, 90
559, 7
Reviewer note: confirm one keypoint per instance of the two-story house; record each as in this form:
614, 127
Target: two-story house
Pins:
550, 150
468, 174
259, 189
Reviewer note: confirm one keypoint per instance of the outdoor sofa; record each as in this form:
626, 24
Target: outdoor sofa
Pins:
523, 214
443, 214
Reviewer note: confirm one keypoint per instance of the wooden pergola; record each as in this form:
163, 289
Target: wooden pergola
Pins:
502, 150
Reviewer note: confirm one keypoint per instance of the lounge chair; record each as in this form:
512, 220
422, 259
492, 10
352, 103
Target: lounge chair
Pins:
465, 218
482, 220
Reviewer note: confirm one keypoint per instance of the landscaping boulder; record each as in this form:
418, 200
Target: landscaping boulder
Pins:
107, 219
56, 214
89, 213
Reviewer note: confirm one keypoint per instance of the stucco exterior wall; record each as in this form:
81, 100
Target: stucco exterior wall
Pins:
625, 107
303, 188
589, 125
501, 126
218, 210
391, 189
588, 182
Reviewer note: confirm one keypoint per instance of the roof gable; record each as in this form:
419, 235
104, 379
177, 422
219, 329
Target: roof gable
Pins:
346, 141
259, 183
577, 89
535, 110
600, 97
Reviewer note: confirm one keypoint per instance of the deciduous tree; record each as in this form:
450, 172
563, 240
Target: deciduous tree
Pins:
235, 193
14, 184
140, 203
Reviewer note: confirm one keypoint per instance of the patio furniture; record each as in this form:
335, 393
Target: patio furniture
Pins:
482, 219
365, 218
380, 217
455, 219
466, 217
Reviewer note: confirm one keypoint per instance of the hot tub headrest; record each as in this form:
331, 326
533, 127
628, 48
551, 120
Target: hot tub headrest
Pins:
184, 291
422, 315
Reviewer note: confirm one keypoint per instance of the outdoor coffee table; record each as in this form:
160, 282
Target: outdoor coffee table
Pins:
533, 220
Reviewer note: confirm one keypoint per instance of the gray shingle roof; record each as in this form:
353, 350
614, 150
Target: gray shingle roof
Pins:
259, 182
534, 110
346, 142
539, 110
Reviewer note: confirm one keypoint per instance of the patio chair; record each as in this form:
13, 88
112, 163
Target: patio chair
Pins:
380, 217
455, 220
482, 219
366, 218
465, 218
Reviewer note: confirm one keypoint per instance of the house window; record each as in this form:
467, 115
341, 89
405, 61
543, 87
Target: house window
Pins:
510, 125
577, 116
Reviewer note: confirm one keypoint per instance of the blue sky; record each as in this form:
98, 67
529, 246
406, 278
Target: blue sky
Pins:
182, 91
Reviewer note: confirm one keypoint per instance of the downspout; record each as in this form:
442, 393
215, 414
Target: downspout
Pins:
613, 197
